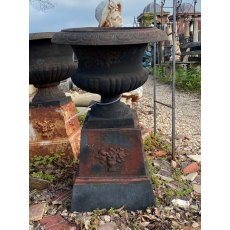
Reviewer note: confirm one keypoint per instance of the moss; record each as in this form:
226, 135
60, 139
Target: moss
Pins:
54, 167
155, 142
81, 118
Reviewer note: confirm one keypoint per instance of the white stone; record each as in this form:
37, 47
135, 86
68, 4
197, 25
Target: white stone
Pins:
190, 177
197, 188
148, 211
107, 218
144, 224
84, 100
196, 158
32, 89
174, 164
87, 224
107, 226
181, 203
168, 179
195, 225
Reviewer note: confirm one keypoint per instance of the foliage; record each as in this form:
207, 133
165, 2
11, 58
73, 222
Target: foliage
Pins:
148, 19
155, 179
111, 211
81, 118
188, 79
45, 160
154, 142
43, 175
54, 167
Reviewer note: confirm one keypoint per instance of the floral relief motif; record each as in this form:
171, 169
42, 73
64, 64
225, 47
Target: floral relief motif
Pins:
111, 157
46, 128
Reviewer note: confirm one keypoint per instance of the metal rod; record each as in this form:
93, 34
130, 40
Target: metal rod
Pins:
195, 1
154, 75
164, 104
173, 80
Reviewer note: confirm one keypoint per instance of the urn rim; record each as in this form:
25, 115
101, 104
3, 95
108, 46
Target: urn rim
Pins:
109, 35
41, 35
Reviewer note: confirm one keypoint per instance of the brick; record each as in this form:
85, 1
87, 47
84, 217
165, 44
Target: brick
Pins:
160, 153
56, 222
193, 167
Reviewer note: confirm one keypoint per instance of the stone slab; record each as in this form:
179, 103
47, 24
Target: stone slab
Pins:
36, 211
190, 177
196, 158
40, 184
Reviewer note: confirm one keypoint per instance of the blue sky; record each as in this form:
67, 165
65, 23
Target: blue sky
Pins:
81, 13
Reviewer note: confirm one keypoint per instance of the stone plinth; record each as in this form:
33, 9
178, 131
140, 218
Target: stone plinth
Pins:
49, 132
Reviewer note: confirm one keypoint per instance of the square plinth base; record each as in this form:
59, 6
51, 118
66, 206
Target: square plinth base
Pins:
133, 195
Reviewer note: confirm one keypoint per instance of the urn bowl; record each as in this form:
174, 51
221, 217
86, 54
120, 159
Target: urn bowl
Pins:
48, 63
109, 59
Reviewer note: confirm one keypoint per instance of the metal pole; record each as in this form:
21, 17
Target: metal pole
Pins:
173, 79
154, 74
195, 1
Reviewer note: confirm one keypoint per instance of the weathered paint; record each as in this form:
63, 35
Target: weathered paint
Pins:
32, 134
48, 130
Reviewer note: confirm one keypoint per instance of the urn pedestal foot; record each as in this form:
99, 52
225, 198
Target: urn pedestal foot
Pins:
112, 170
134, 194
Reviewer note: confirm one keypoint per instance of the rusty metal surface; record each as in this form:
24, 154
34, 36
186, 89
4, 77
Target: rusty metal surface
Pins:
111, 153
49, 133
109, 36
108, 180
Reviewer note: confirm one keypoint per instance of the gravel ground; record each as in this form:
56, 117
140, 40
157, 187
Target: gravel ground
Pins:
50, 206
188, 115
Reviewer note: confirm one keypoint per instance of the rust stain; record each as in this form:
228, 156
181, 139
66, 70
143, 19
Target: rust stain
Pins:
111, 157
48, 129
109, 180
111, 152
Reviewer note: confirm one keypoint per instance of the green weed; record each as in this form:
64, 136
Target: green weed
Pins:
186, 78
155, 142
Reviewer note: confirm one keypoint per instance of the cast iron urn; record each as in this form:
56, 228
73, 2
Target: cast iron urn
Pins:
49, 64
112, 170
50, 109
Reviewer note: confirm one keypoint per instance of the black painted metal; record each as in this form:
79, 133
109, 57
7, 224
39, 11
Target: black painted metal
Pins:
48, 65
110, 62
134, 196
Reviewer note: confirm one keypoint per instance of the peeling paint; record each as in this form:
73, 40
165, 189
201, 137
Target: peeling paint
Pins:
45, 143
59, 111
32, 133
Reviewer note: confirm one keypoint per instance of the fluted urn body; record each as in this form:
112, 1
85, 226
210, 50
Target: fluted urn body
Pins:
48, 65
112, 169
